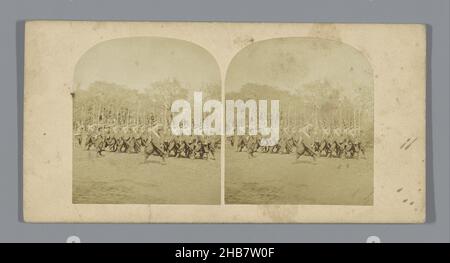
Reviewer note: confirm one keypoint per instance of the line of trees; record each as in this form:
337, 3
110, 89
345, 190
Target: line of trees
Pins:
112, 104
317, 103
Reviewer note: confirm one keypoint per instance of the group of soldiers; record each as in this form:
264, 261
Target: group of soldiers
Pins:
151, 140
156, 141
308, 140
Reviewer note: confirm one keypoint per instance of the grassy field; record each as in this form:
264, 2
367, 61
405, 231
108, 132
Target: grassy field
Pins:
121, 178
280, 179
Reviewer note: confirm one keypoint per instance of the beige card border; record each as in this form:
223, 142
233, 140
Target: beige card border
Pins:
397, 54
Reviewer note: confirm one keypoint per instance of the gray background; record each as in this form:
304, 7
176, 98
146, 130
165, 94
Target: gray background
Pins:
434, 13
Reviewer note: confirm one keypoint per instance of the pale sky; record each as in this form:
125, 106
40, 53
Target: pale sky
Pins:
290, 63
137, 62
287, 63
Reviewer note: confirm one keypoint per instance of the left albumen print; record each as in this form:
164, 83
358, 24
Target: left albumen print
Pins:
123, 148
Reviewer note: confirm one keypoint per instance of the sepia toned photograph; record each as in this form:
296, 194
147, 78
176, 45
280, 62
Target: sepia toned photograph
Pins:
126, 151
324, 153
192, 122
123, 149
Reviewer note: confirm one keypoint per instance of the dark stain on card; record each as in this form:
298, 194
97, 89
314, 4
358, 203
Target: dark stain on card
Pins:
403, 145
409, 145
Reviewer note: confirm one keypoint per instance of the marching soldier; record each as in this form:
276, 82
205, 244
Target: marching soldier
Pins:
79, 133
251, 146
156, 144
305, 141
